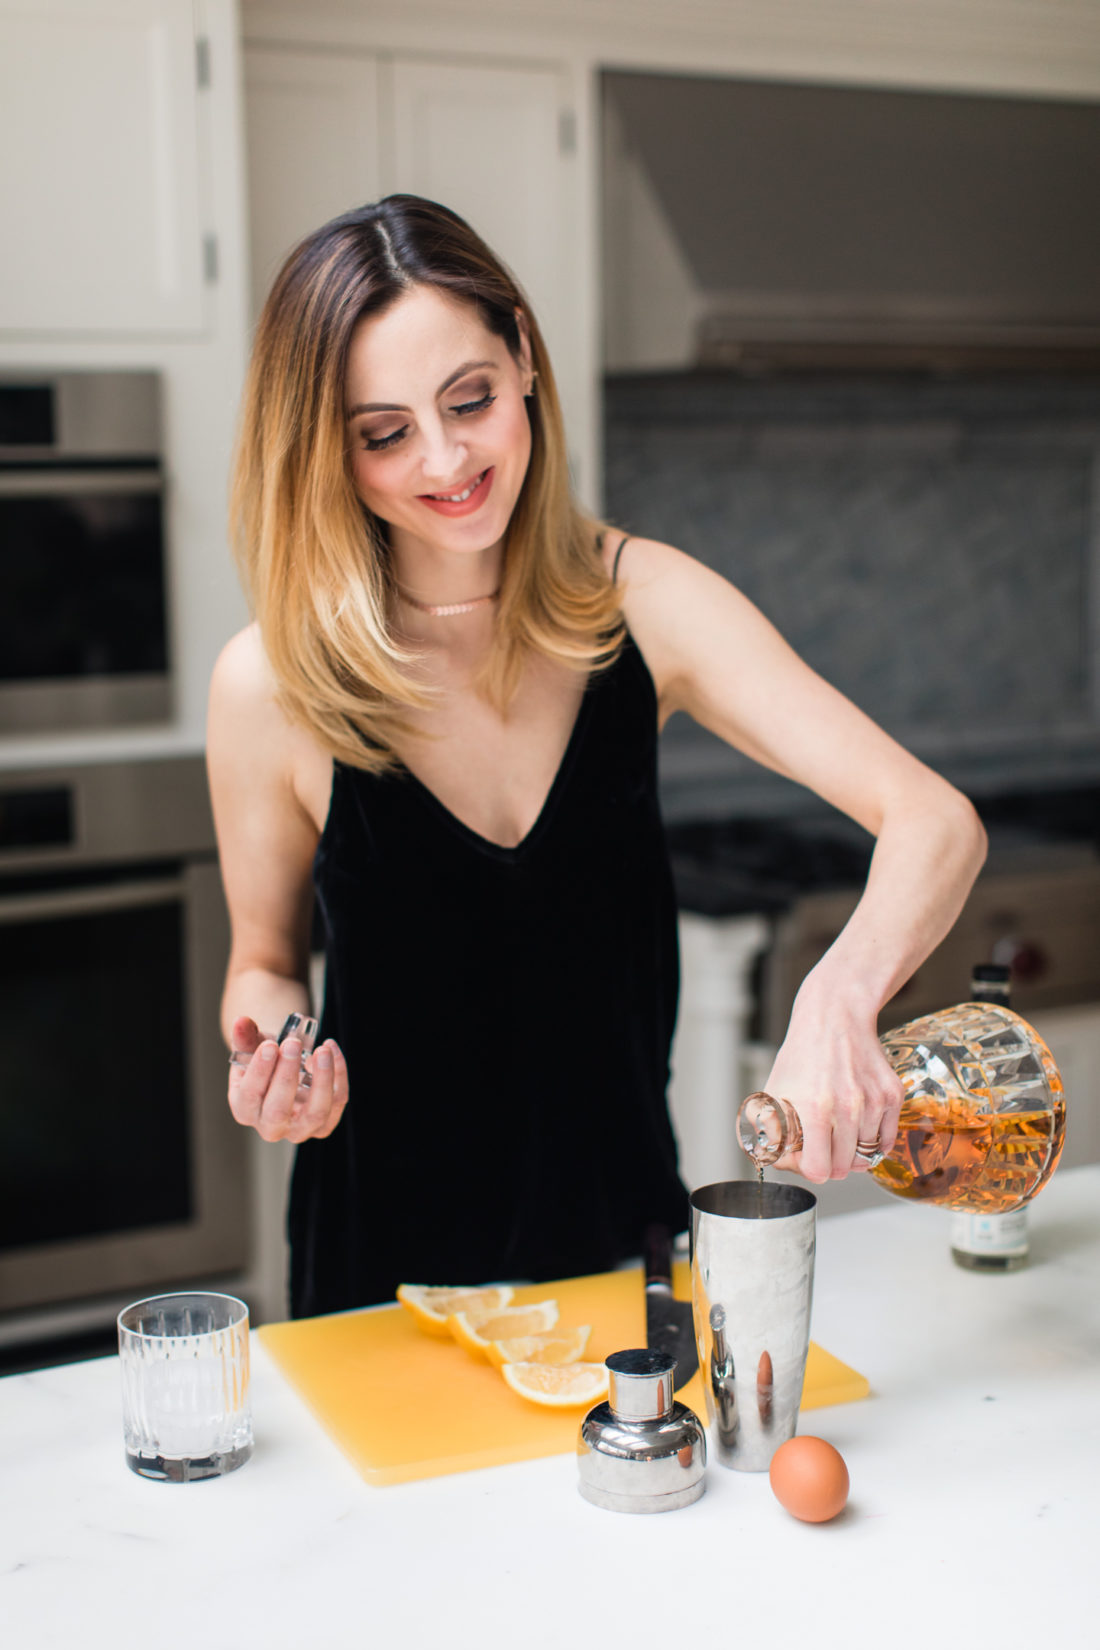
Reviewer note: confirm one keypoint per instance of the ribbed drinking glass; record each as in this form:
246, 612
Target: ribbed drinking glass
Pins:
185, 1401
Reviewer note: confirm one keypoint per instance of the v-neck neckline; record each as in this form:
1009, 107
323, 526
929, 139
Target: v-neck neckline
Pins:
487, 844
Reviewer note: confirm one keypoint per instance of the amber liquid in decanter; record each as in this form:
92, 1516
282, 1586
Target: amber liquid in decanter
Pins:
995, 1163
982, 1121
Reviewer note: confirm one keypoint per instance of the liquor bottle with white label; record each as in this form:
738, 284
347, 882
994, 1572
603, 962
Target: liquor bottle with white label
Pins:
990, 1242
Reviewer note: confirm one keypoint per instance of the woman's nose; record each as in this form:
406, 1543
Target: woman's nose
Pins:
443, 458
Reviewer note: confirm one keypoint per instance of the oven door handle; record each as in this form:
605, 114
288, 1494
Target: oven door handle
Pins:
59, 483
78, 902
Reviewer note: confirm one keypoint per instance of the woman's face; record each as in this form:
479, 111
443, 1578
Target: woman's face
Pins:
438, 432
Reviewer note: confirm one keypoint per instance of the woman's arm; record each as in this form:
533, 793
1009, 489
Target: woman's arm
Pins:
715, 656
266, 843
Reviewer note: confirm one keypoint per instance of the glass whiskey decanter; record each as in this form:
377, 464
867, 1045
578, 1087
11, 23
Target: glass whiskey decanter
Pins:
982, 1120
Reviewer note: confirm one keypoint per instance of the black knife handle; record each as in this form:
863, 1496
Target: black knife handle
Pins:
657, 1246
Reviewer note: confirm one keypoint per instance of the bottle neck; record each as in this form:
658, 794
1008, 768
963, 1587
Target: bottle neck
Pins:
991, 983
768, 1129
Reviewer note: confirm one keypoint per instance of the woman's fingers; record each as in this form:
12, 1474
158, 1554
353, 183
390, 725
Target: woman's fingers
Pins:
888, 1125
248, 1083
847, 1110
817, 1155
840, 1130
262, 1093
315, 1102
247, 1074
247, 1035
339, 1090
877, 1124
277, 1114
328, 1096
266, 1092
313, 1111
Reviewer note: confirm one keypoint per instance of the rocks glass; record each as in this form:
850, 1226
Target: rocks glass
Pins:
185, 1401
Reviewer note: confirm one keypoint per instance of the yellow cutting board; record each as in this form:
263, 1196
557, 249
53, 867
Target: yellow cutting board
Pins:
402, 1404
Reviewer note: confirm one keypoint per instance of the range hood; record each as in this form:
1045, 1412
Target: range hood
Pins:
809, 227
733, 343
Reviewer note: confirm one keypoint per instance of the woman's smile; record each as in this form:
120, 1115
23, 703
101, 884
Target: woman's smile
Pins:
468, 497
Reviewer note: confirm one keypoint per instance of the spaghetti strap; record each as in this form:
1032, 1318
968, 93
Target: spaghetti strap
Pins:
615, 564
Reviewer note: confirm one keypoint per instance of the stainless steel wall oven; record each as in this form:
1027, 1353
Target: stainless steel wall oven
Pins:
120, 1166
84, 623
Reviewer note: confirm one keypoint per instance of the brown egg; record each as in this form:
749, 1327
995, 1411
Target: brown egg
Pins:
810, 1479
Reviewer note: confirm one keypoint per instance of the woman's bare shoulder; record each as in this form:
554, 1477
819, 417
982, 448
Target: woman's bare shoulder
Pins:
249, 731
244, 698
245, 722
637, 562
242, 677
661, 588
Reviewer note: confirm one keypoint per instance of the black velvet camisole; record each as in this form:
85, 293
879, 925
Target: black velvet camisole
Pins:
506, 1014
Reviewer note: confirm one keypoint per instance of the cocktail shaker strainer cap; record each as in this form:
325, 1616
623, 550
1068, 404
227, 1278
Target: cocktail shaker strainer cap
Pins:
641, 1451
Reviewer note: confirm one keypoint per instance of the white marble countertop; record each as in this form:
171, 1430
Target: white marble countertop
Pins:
974, 1516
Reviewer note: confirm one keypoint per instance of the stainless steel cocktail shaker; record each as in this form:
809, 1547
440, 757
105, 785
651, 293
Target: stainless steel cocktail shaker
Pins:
752, 1275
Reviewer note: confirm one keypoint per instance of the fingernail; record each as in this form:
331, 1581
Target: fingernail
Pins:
291, 1049
267, 1052
323, 1059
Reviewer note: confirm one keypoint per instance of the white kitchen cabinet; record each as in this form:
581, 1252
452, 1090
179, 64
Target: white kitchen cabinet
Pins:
313, 134
100, 207
492, 143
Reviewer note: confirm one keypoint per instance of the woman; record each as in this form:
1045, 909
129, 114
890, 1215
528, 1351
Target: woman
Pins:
442, 728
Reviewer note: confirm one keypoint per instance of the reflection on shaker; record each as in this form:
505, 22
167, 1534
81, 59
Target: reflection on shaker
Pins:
764, 1384
722, 1387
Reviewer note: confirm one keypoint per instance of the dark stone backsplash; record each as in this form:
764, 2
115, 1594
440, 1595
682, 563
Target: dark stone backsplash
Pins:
929, 546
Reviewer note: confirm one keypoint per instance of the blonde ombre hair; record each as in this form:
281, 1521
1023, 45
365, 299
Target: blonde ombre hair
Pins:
313, 558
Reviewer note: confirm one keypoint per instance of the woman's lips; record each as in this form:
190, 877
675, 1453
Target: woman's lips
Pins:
448, 507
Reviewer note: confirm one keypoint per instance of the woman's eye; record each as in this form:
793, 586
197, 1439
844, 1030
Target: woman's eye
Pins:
376, 444
379, 443
474, 406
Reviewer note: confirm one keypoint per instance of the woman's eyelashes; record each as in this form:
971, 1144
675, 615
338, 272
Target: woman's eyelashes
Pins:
378, 444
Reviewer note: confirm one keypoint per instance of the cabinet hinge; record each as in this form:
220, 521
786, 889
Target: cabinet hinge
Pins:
210, 258
202, 61
567, 132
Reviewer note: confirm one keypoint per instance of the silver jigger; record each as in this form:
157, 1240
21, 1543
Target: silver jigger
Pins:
752, 1275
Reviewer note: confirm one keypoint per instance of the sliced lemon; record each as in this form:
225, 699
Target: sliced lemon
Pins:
475, 1329
561, 1346
560, 1385
431, 1305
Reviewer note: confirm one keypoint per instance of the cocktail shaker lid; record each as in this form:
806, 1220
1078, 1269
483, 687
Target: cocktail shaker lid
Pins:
641, 1451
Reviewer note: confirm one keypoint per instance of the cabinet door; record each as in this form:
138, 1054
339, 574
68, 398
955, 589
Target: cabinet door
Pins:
494, 144
99, 196
312, 140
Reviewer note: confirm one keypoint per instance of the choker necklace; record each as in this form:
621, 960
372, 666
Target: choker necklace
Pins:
443, 610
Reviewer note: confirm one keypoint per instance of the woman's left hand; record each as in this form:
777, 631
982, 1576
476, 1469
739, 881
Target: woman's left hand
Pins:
832, 1069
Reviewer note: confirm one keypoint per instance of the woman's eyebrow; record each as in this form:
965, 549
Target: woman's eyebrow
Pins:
394, 406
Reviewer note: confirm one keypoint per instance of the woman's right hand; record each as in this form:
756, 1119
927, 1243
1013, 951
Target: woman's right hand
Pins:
264, 1091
